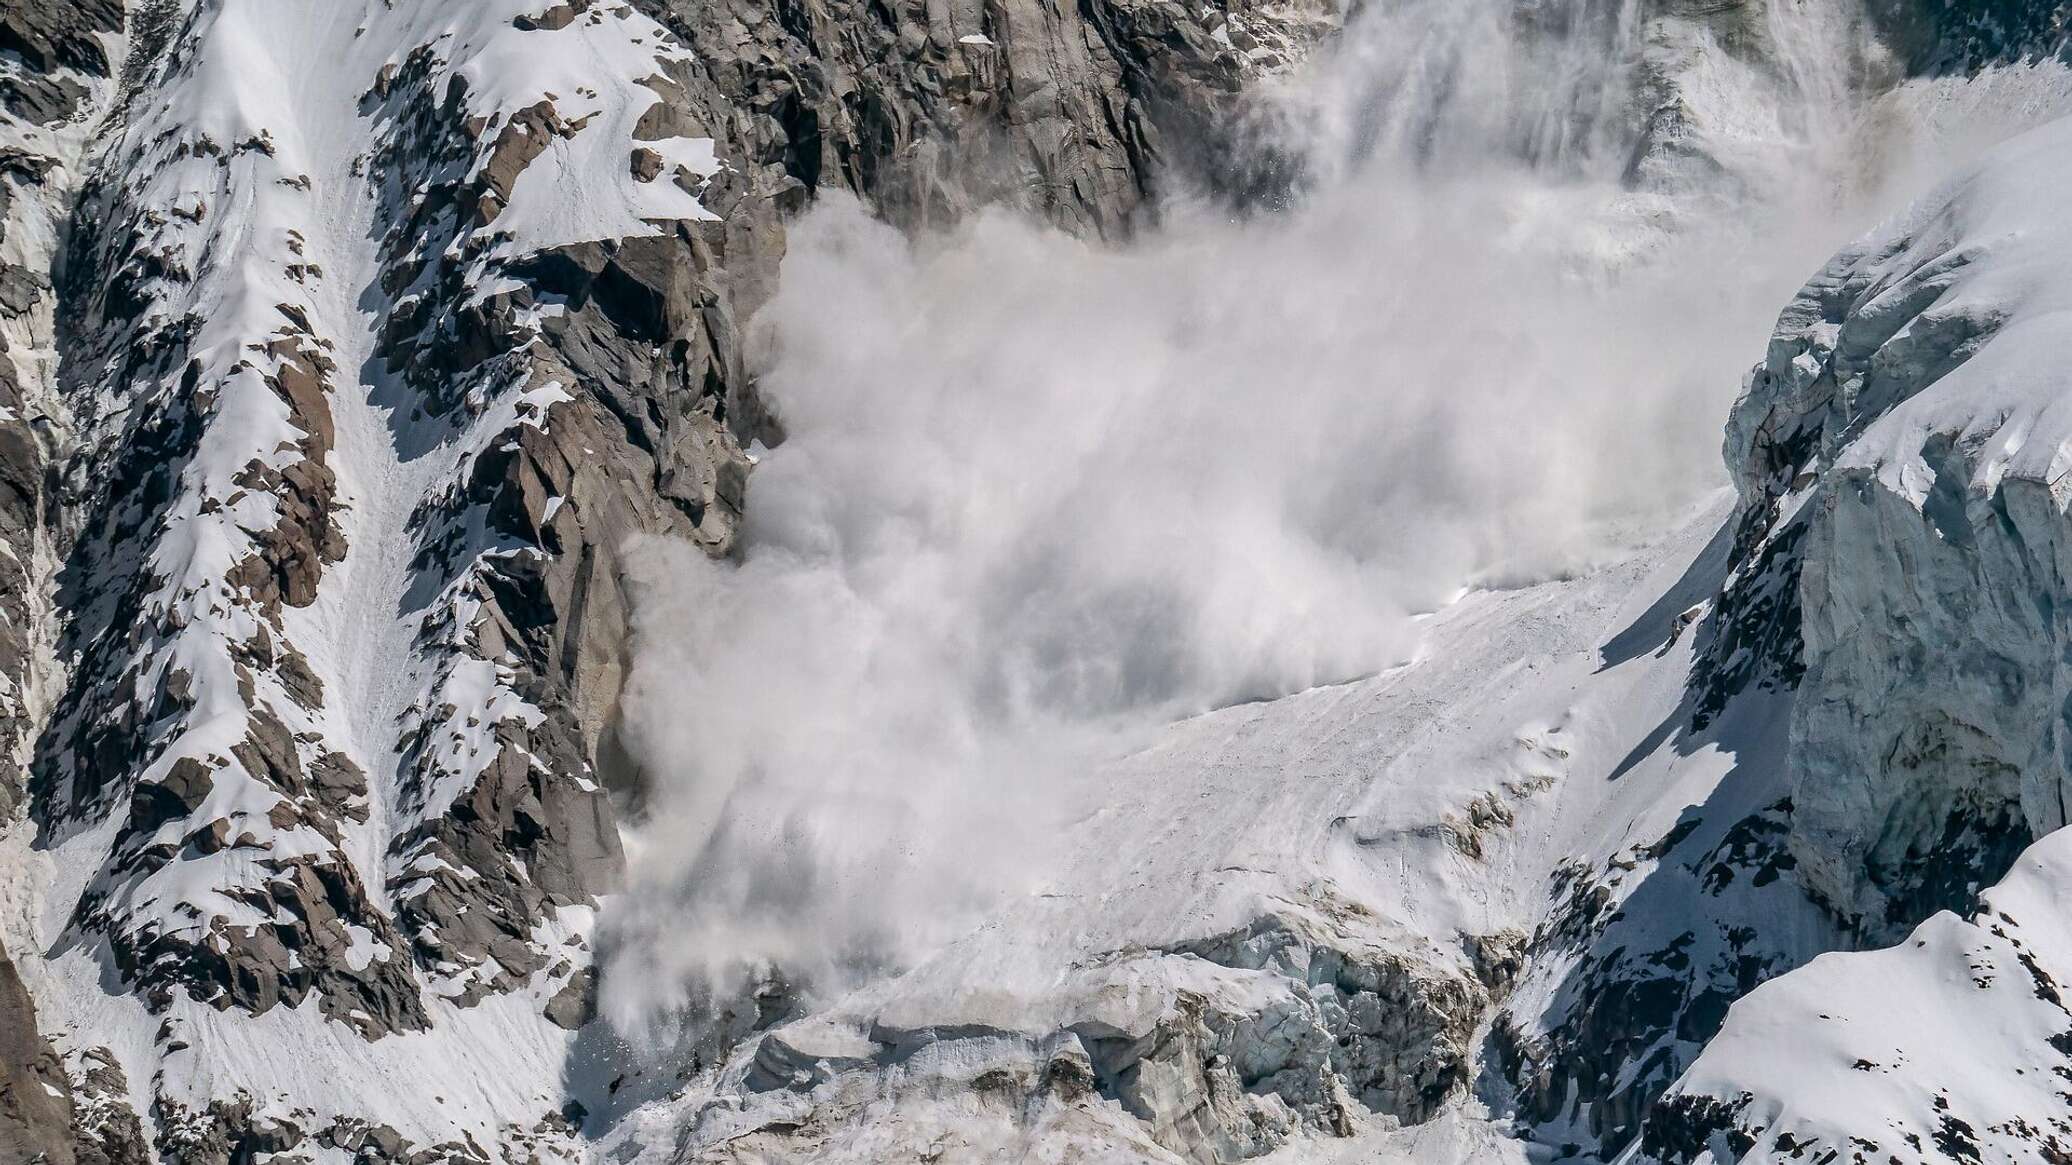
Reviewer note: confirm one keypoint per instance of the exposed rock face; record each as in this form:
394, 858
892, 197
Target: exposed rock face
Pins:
21, 489
1646, 953
59, 45
61, 57
927, 110
105, 1129
35, 1097
1958, 38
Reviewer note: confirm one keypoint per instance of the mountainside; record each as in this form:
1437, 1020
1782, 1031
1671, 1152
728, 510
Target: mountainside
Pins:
380, 331
1908, 422
361, 353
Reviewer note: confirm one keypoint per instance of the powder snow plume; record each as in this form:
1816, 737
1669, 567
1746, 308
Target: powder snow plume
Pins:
1038, 496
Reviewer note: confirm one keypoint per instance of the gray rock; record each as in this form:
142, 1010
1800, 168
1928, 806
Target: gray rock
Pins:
54, 37
105, 1129
35, 1097
576, 1003
58, 48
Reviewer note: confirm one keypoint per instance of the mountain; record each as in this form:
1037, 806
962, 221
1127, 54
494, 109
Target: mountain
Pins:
1915, 377
360, 354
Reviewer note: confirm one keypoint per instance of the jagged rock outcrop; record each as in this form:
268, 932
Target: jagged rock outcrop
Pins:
1892, 438
1215, 1051
1636, 966
35, 1096
928, 110
21, 490
105, 1129
1958, 38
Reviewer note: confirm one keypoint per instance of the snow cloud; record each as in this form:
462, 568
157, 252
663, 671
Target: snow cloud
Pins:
1039, 496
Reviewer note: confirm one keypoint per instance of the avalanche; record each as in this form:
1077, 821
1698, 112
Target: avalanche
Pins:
1236, 645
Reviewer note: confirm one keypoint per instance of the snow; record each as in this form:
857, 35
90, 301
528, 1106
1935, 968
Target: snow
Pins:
1957, 1022
1992, 245
1335, 795
252, 158
1931, 568
1401, 814
478, 1070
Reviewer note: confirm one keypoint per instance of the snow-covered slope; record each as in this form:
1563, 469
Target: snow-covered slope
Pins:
354, 346
1302, 919
1949, 1046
